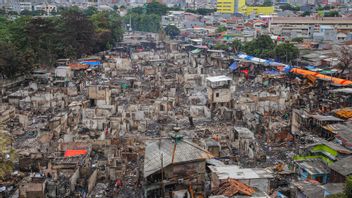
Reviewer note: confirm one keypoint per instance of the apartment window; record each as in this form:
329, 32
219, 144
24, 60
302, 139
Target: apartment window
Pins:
217, 95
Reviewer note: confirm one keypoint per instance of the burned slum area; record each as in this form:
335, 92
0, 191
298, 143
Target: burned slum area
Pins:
154, 118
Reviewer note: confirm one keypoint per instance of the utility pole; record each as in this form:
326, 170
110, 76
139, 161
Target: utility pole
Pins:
162, 176
130, 28
286, 56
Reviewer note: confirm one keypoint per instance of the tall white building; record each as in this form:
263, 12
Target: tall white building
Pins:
47, 8
26, 6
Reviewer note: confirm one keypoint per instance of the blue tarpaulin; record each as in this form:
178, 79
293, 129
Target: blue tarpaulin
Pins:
272, 72
268, 62
233, 66
249, 58
288, 68
92, 64
312, 68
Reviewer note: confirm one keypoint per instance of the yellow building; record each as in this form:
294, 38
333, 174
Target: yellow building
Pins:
226, 6
239, 6
247, 10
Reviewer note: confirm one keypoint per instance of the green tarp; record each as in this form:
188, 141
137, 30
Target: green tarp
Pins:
124, 86
196, 51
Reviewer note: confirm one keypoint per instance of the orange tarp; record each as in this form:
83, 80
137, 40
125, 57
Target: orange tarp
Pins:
72, 153
78, 66
345, 113
311, 78
322, 76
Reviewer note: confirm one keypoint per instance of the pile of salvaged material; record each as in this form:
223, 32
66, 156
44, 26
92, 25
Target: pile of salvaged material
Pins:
232, 187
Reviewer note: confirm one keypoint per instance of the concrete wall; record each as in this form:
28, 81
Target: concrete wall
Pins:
92, 181
73, 180
219, 95
63, 72
99, 93
23, 119
6, 113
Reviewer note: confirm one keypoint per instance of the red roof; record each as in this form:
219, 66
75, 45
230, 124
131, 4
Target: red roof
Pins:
233, 19
72, 153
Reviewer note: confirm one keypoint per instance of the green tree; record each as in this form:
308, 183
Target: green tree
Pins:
12, 13
18, 35
289, 7
38, 13
268, 3
205, 11
172, 31
306, 13
108, 28
2, 12
174, 8
237, 46
156, 8
61, 9
77, 34
42, 36
4, 29
297, 39
191, 10
201, 11
221, 46
286, 52
221, 29
137, 10
111, 21
260, 47
28, 41
144, 22
26, 13
331, 14
12, 62
327, 7
90, 11
146, 18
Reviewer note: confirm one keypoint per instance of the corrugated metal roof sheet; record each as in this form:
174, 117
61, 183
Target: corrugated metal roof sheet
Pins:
185, 151
218, 78
343, 166
314, 166
326, 118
